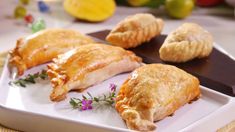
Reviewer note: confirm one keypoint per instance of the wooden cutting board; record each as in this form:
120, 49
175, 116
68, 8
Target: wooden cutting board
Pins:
216, 72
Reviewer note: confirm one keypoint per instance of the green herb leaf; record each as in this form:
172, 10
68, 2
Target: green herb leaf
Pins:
104, 96
84, 97
89, 95
43, 74
96, 99
21, 83
78, 99
73, 103
113, 94
30, 78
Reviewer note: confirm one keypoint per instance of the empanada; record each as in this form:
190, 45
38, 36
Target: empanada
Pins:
187, 42
43, 46
135, 30
88, 65
153, 92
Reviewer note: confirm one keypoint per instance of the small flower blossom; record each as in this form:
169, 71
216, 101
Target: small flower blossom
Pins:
113, 87
89, 101
86, 104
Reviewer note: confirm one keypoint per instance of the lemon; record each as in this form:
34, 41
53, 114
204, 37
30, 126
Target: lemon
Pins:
138, 2
179, 8
90, 10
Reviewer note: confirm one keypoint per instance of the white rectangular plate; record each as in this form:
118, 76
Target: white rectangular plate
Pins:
29, 109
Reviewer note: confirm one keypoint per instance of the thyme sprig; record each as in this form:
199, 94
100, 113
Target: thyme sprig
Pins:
30, 79
88, 101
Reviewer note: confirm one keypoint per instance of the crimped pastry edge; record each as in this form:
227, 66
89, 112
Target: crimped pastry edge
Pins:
142, 124
57, 78
16, 59
172, 51
131, 39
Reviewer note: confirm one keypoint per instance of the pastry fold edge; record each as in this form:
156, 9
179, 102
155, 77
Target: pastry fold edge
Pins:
187, 42
62, 82
58, 80
143, 119
131, 116
43, 46
133, 38
16, 59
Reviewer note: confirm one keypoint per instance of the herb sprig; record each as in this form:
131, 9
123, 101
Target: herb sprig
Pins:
88, 101
30, 79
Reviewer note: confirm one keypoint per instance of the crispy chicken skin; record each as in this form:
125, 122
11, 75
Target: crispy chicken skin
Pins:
153, 92
88, 65
43, 46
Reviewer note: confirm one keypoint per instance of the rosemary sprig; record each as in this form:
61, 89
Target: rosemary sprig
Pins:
88, 101
30, 78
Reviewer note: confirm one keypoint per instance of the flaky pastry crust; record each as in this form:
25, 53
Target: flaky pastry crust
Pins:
43, 46
135, 30
153, 92
187, 42
88, 65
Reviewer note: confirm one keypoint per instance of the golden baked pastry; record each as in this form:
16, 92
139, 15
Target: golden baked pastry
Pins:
88, 65
187, 42
43, 46
153, 92
135, 30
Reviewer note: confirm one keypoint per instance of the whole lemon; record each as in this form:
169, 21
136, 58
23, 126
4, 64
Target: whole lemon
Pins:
90, 10
179, 8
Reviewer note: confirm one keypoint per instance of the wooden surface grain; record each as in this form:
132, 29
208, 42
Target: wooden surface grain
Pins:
230, 127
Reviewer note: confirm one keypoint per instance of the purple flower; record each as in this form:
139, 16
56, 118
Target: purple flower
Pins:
86, 104
113, 87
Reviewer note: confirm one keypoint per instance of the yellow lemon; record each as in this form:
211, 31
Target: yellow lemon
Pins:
90, 10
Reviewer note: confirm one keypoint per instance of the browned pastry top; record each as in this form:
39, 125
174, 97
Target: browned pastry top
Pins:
43, 46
